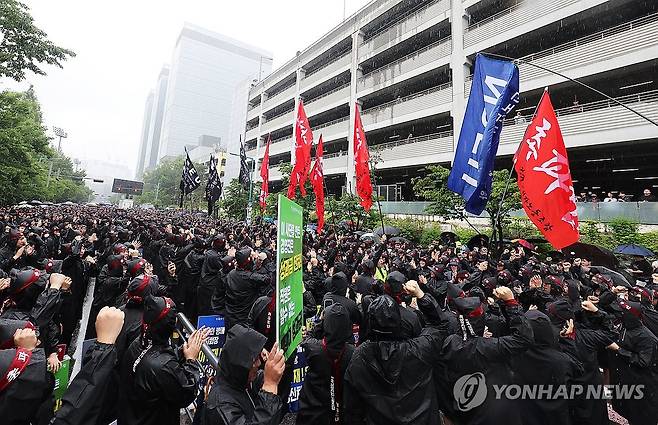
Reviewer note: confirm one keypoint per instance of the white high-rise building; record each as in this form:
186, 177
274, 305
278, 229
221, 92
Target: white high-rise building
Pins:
152, 126
206, 69
146, 125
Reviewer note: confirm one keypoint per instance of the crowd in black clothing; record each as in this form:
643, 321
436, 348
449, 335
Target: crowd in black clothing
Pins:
399, 329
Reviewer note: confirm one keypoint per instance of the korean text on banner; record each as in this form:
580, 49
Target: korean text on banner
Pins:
215, 341
289, 288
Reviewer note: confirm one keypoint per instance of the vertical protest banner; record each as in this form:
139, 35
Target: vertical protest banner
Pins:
289, 288
61, 382
216, 338
298, 374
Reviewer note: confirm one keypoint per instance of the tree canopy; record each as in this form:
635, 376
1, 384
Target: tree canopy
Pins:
23, 46
25, 156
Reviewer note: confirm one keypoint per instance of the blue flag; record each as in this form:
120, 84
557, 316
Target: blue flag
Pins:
494, 93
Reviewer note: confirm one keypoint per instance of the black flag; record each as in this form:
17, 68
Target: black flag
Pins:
189, 180
214, 185
245, 179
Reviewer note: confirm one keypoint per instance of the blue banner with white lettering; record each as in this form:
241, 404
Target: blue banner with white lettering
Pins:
494, 93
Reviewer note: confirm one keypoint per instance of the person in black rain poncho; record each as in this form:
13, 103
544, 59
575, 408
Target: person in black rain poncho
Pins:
242, 394
634, 363
320, 400
156, 379
544, 363
243, 287
389, 379
36, 296
110, 283
24, 381
469, 352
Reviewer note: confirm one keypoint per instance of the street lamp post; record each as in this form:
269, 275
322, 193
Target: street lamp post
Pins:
62, 135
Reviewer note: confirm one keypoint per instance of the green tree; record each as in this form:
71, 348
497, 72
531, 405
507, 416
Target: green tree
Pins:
25, 47
433, 187
162, 184
23, 143
235, 200
65, 183
499, 211
26, 158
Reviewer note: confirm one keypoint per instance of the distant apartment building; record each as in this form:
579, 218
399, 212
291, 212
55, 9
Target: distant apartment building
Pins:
409, 65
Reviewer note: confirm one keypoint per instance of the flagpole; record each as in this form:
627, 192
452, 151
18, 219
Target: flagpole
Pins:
333, 213
349, 211
526, 62
509, 178
379, 205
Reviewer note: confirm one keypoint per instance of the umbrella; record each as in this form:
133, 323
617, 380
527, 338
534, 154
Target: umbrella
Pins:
360, 233
448, 238
478, 240
537, 240
597, 255
34, 202
399, 239
632, 249
369, 237
619, 278
524, 243
389, 230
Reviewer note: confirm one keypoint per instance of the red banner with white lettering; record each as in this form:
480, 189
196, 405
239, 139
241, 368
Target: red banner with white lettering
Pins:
265, 175
361, 158
544, 178
317, 180
303, 143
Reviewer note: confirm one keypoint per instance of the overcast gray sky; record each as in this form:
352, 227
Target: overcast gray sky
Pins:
99, 95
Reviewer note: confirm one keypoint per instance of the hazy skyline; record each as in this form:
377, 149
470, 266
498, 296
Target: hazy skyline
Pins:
98, 97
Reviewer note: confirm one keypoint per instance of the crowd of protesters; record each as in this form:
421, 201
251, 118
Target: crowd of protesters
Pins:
615, 196
396, 326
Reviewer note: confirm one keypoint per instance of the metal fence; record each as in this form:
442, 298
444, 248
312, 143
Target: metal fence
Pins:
639, 212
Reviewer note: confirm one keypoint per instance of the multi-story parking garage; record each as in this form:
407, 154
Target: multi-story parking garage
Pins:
409, 63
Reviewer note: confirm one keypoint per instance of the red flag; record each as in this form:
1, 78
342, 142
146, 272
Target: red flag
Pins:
265, 175
361, 158
544, 178
317, 179
303, 143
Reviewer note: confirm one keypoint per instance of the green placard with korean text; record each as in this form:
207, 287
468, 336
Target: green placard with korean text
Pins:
289, 287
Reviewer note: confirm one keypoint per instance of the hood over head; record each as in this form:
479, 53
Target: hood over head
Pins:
338, 284
25, 287
545, 333
631, 315
262, 315
243, 345
159, 319
337, 327
385, 318
115, 265
136, 266
142, 287
560, 311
